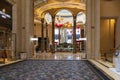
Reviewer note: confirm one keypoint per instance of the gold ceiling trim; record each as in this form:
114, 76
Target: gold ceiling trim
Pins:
57, 5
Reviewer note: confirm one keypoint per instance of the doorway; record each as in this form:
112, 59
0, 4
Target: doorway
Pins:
107, 37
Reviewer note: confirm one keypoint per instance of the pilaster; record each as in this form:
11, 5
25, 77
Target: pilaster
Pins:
88, 28
29, 24
97, 28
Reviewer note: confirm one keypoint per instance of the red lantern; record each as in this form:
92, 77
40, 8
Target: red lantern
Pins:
78, 27
58, 25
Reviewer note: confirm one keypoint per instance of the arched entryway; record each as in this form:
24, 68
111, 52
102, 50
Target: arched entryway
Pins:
63, 31
51, 7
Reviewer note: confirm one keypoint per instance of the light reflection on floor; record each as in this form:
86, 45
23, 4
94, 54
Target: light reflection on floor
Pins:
60, 56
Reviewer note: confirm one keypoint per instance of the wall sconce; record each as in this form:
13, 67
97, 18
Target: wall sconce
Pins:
34, 39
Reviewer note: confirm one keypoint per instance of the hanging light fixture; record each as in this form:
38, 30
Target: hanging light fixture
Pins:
3, 14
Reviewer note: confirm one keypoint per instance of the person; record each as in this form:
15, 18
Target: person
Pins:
37, 49
50, 47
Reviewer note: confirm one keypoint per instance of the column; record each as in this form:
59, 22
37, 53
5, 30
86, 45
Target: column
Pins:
17, 29
74, 34
92, 30
88, 28
23, 29
14, 28
42, 35
97, 28
59, 35
53, 33
23, 19
29, 26
47, 41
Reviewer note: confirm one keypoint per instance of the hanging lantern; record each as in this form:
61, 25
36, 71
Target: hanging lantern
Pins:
65, 25
58, 25
69, 26
78, 26
62, 19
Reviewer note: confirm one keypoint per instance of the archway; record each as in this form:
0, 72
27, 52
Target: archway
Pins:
80, 32
63, 31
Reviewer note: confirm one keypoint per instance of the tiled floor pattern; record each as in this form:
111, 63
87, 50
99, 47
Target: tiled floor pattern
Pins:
48, 70
70, 56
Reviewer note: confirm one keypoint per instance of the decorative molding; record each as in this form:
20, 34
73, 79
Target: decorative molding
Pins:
11, 1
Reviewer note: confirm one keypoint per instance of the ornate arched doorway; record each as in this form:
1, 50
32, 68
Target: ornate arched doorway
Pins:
63, 31
64, 26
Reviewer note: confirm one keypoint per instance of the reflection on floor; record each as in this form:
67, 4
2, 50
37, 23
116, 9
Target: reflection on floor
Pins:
60, 56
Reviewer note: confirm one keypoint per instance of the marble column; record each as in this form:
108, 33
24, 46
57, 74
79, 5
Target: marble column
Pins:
92, 30
47, 41
53, 33
22, 20
17, 29
29, 24
97, 28
14, 28
74, 34
88, 28
42, 35
23, 27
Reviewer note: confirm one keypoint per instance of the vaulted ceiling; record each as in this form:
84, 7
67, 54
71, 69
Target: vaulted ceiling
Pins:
53, 6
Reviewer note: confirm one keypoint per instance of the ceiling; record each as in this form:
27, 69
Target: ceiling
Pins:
53, 6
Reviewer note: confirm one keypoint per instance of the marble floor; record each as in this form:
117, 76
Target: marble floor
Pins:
50, 56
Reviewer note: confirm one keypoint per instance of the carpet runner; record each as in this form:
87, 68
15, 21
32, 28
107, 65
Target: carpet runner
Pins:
49, 70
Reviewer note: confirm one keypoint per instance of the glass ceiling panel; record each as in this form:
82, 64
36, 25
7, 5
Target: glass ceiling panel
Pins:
64, 13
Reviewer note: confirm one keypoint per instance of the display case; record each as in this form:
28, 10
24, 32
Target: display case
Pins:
5, 45
2, 44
